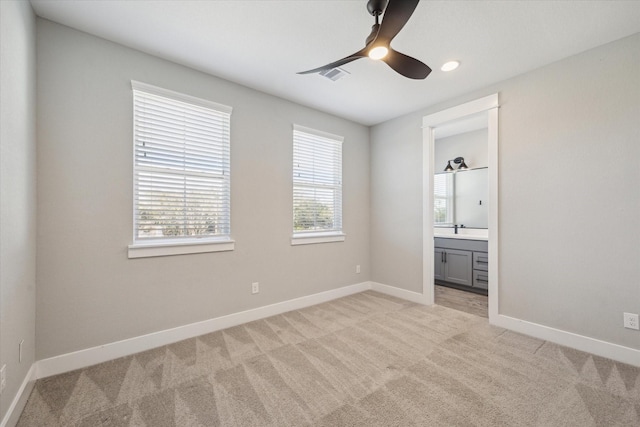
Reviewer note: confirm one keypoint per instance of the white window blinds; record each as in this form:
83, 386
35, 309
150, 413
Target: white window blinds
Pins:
181, 166
317, 182
443, 198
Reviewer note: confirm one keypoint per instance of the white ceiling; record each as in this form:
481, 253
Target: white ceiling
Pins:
262, 44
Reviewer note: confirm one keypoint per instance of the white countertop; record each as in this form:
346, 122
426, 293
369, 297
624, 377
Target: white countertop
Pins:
463, 233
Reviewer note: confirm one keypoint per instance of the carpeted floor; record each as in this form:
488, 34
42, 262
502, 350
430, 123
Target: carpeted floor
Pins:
362, 360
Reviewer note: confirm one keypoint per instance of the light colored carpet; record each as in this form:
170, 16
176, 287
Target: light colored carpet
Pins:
362, 360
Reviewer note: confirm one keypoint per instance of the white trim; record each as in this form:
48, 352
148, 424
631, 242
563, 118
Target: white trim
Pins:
20, 400
310, 238
428, 153
601, 348
144, 250
466, 109
399, 293
317, 132
606, 349
494, 229
91, 356
488, 104
155, 90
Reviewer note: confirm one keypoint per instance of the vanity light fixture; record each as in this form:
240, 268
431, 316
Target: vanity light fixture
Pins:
460, 161
448, 168
457, 161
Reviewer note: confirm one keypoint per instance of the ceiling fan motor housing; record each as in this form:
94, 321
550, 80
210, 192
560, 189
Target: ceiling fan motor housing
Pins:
376, 7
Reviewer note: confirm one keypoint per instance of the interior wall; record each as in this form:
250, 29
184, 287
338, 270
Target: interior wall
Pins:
470, 145
396, 203
569, 199
17, 194
89, 292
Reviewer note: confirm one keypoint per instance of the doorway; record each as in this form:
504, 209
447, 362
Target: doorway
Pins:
487, 108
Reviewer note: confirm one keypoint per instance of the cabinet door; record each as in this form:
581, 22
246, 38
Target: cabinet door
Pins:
438, 264
458, 267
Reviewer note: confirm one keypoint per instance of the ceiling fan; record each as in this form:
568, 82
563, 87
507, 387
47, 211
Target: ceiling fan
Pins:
377, 44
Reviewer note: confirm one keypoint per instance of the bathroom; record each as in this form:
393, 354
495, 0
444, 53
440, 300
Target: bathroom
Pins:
461, 200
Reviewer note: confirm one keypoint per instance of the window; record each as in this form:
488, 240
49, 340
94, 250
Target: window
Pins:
443, 198
317, 186
181, 173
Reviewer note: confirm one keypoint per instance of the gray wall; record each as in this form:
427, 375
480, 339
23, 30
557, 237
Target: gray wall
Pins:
396, 203
569, 198
470, 145
17, 193
89, 293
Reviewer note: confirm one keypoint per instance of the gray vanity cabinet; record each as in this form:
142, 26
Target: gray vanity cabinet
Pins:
461, 262
480, 279
453, 266
481, 270
438, 264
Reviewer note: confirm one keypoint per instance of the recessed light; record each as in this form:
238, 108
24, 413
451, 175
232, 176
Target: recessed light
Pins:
450, 66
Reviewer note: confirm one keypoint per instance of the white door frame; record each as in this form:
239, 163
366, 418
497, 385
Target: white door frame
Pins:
490, 105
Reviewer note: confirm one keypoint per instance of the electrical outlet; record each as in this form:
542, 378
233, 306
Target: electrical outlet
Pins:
3, 378
255, 287
358, 269
631, 321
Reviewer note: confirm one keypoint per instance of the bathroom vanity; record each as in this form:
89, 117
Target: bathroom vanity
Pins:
462, 262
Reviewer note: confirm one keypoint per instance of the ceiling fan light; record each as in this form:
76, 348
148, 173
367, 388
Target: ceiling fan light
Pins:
450, 66
378, 52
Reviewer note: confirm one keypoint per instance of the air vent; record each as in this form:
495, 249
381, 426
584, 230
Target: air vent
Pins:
334, 73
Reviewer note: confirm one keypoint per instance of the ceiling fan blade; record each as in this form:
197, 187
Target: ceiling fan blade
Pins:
406, 65
395, 16
346, 60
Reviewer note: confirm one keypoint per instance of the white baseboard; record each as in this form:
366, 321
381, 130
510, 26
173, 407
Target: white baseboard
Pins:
609, 350
91, 356
601, 348
20, 400
399, 293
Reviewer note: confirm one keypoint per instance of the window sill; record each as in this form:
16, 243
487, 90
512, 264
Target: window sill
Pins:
153, 249
313, 238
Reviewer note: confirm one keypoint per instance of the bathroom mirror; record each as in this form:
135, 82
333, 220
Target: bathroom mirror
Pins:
461, 198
